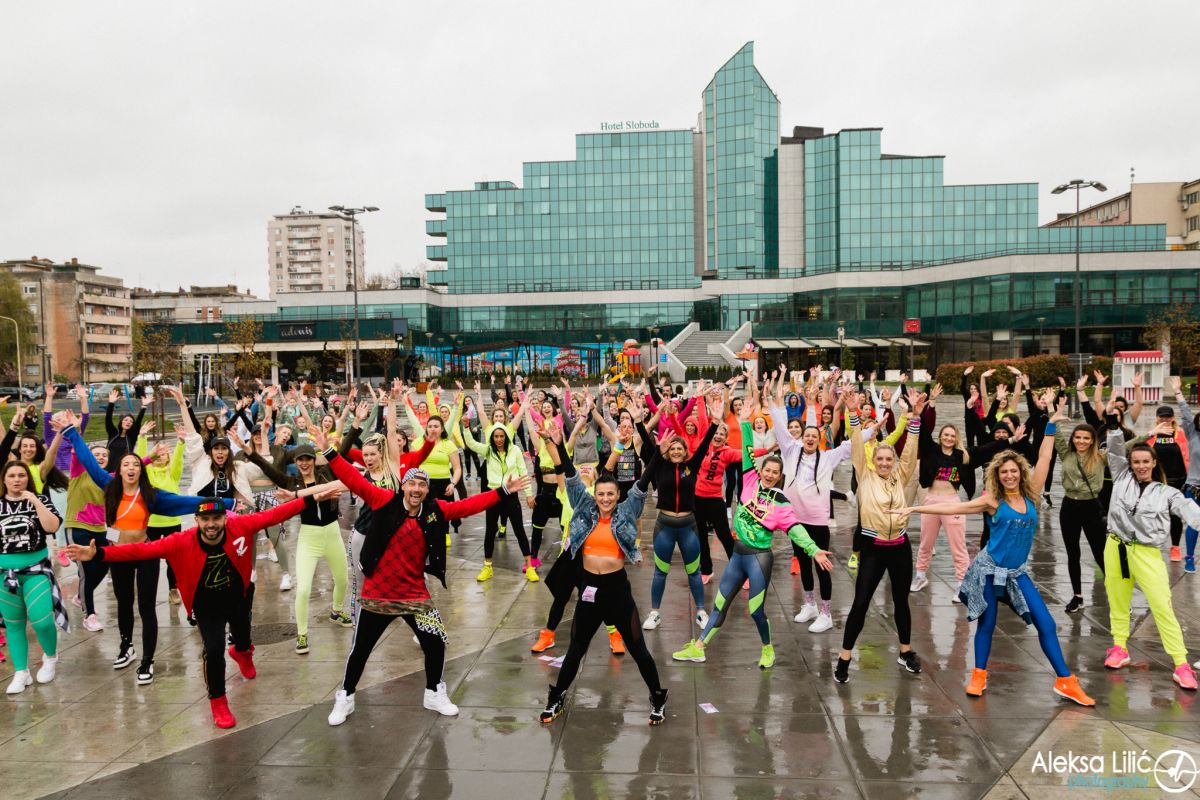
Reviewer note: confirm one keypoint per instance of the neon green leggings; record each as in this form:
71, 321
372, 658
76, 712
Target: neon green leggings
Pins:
317, 542
1146, 568
31, 604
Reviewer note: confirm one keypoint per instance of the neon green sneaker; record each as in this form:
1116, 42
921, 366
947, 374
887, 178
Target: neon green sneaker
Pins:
852, 564
768, 657
485, 574
302, 643
531, 575
693, 652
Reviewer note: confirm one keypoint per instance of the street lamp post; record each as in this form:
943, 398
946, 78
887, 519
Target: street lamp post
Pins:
1078, 184
17, 330
347, 212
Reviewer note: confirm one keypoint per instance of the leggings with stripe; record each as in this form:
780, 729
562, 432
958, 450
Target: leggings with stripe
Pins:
1047, 630
369, 626
32, 604
745, 564
668, 532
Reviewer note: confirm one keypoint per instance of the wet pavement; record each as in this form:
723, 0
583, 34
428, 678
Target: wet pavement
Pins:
787, 732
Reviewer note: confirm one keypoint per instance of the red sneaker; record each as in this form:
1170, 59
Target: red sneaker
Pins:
545, 641
1176, 555
222, 717
795, 566
245, 661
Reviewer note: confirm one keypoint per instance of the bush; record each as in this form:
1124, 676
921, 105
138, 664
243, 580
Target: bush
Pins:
1043, 371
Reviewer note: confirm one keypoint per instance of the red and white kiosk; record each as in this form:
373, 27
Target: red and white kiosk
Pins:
1152, 366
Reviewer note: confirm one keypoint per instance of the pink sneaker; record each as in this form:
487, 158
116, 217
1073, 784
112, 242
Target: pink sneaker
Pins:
62, 557
92, 623
1117, 657
535, 562
1185, 677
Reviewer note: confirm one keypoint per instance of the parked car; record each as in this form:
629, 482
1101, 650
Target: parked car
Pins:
24, 393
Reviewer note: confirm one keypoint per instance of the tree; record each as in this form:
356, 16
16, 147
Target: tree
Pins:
153, 350
893, 356
846, 359
375, 281
13, 305
1175, 327
244, 334
307, 367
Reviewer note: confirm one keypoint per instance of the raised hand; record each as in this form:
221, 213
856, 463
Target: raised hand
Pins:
318, 437
988, 373
1138, 377
362, 411
1099, 377
1177, 385
113, 396
517, 483
969, 370
664, 443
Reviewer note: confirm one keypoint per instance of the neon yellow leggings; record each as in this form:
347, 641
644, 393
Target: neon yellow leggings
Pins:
317, 542
1147, 570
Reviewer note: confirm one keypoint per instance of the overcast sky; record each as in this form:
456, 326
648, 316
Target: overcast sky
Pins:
156, 139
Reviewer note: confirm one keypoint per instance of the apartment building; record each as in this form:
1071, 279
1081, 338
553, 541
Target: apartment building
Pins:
313, 252
194, 304
1171, 203
82, 321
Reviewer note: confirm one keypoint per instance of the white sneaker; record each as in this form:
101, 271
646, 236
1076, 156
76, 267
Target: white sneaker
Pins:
343, 706
439, 701
653, 620
823, 623
285, 583
92, 623
46, 673
918, 583
701, 618
808, 612
20, 680
272, 556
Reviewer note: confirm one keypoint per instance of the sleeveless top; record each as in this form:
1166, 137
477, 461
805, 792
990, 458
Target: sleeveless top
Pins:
1012, 534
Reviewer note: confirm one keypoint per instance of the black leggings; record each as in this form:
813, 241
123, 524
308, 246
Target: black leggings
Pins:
820, 535
437, 489
1082, 515
546, 507
507, 510
94, 570
157, 532
143, 574
611, 603
710, 514
234, 612
733, 483
369, 626
874, 560
1176, 522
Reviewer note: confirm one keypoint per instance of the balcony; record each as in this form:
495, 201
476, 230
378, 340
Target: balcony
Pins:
435, 202
436, 252
435, 227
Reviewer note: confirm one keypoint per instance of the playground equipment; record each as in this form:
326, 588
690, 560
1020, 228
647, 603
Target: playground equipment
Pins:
627, 362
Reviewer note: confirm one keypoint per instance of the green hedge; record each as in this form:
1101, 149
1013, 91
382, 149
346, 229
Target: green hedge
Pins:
1043, 371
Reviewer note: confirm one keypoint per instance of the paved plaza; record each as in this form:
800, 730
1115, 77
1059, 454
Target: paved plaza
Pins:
787, 732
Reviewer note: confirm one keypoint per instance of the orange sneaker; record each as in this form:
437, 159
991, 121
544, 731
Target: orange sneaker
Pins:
616, 643
977, 683
795, 566
1069, 688
545, 641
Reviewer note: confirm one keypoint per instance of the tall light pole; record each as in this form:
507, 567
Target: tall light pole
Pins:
1078, 184
348, 212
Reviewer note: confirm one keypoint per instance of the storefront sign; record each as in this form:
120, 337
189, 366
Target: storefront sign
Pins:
296, 330
629, 125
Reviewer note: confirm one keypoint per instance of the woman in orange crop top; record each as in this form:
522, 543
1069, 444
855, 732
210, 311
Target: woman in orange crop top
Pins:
601, 553
127, 503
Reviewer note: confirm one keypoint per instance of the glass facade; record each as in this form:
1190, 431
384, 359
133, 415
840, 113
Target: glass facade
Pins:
741, 171
618, 217
866, 211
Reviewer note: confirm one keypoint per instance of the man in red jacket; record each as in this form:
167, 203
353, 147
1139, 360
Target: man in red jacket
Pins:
212, 564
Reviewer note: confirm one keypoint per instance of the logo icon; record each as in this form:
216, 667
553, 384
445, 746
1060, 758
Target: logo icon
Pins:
1175, 771
240, 545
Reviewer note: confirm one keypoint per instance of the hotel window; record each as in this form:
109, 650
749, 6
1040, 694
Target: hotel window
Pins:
1193, 223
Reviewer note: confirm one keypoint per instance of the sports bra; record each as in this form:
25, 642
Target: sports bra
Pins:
601, 542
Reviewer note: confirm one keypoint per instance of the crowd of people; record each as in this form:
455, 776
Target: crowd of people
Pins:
745, 460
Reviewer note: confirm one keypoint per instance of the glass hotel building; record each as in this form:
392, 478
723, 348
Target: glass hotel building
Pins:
729, 222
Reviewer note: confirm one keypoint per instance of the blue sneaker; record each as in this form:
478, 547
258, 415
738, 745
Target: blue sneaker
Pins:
1189, 564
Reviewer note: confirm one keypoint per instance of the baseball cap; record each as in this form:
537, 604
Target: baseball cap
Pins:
303, 451
1164, 411
210, 505
219, 441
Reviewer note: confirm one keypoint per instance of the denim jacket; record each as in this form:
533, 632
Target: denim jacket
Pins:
586, 514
